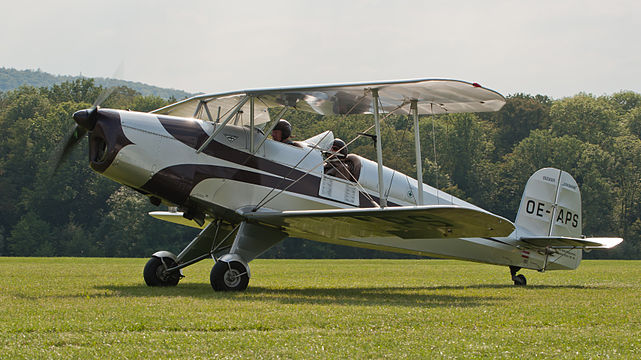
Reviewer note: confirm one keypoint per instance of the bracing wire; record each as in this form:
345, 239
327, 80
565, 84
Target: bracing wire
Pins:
266, 200
261, 204
398, 148
361, 189
263, 201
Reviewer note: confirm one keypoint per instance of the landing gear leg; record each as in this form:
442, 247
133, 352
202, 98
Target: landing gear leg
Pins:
519, 280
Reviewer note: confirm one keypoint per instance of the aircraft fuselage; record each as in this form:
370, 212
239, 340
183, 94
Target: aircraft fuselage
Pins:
157, 155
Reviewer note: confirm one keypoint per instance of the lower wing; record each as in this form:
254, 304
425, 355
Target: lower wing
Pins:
420, 222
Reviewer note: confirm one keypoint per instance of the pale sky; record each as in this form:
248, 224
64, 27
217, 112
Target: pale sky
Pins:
555, 48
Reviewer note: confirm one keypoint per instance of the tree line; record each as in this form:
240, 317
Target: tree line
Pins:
484, 158
11, 79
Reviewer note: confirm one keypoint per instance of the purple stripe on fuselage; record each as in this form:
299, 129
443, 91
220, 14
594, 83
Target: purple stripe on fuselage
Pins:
175, 183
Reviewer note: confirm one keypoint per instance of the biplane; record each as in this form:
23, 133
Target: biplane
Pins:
211, 160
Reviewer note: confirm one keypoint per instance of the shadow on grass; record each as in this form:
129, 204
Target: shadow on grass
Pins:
509, 286
430, 296
424, 296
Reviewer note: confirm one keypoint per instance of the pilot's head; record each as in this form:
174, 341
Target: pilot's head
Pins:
339, 148
282, 131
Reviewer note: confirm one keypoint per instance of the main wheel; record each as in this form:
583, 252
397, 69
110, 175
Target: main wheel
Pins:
519, 280
156, 275
229, 276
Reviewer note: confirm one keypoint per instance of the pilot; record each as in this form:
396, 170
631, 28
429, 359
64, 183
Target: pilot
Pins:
337, 165
282, 132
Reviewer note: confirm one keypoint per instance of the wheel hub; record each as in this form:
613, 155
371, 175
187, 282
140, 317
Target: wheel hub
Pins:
162, 274
232, 278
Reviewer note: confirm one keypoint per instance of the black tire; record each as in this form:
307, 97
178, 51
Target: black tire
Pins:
155, 275
229, 276
519, 280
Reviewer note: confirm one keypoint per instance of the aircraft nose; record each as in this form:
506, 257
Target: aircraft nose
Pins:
86, 118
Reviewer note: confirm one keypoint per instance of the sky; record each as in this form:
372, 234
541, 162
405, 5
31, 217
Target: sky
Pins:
555, 48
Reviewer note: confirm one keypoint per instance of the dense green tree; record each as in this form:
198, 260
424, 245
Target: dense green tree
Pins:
634, 122
627, 155
586, 118
626, 101
32, 236
542, 149
21, 115
147, 103
3, 243
467, 148
77, 91
521, 114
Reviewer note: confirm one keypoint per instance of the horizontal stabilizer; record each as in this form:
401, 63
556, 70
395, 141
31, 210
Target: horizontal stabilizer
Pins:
571, 242
420, 222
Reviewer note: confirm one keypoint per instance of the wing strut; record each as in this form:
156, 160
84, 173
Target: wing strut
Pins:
202, 104
251, 125
379, 149
419, 159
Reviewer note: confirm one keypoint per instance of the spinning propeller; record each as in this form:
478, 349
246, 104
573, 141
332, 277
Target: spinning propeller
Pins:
85, 121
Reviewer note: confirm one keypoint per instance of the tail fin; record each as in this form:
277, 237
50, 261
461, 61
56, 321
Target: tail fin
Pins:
551, 208
551, 205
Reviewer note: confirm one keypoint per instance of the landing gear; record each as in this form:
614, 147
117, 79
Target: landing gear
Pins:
519, 280
229, 276
156, 273
231, 272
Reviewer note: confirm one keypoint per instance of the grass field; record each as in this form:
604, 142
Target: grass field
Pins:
88, 307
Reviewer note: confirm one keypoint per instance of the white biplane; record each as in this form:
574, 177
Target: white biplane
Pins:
220, 172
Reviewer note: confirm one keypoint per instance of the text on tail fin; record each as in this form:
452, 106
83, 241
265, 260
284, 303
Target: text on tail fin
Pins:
551, 205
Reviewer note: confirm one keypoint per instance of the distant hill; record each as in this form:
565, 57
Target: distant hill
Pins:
12, 78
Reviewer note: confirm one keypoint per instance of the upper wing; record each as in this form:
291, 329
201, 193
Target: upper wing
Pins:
434, 96
422, 222
561, 242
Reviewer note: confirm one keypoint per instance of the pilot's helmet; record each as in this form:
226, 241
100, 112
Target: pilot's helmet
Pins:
285, 128
339, 147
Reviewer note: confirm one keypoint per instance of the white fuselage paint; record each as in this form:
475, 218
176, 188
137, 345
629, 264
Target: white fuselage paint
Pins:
155, 149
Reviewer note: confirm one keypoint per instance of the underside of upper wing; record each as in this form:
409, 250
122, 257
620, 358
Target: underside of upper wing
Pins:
433, 96
423, 222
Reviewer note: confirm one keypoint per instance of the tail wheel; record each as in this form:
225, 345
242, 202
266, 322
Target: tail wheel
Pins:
229, 276
519, 280
156, 273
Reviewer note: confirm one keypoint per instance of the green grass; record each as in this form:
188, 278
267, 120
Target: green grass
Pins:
87, 307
